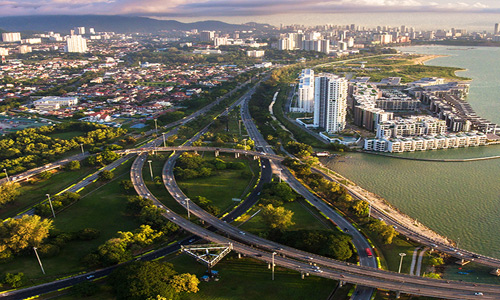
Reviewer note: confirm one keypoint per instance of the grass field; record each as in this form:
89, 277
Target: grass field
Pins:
407, 67
103, 209
250, 279
223, 186
303, 218
34, 193
66, 135
240, 279
159, 190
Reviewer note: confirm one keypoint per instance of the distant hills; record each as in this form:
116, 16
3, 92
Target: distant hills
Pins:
118, 24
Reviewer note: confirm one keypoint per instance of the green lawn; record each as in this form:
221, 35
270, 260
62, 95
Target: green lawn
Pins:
159, 190
34, 193
239, 279
102, 208
304, 219
250, 279
224, 185
389, 254
67, 135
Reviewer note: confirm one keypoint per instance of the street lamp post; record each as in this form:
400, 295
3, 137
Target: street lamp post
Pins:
81, 146
39, 261
401, 261
272, 265
150, 169
164, 143
6, 175
51, 207
187, 206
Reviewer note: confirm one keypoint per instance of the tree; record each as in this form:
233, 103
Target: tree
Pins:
185, 283
73, 165
436, 261
45, 175
88, 234
360, 208
27, 231
386, 232
106, 175
136, 203
142, 280
432, 275
277, 217
9, 192
15, 280
127, 185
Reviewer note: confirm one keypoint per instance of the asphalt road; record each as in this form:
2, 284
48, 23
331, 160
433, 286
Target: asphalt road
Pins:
359, 241
300, 260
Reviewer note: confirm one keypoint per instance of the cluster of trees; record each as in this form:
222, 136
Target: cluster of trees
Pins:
277, 193
122, 247
339, 196
106, 175
151, 280
147, 213
327, 243
385, 232
57, 240
278, 217
17, 235
32, 147
207, 205
9, 192
58, 202
73, 165
300, 150
103, 158
14, 280
192, 165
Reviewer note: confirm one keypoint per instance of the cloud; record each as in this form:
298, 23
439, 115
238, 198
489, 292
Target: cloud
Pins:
208, 8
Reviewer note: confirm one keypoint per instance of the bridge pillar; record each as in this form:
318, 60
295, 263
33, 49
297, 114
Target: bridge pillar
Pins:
216, 153
341, 283
269, 265
236, 155
196, 152
255, 157
239, 255
398, 294
301, 275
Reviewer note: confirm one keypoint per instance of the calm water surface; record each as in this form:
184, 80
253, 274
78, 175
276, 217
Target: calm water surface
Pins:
458, 200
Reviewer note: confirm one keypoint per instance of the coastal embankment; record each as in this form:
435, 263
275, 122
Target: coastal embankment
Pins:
432, 159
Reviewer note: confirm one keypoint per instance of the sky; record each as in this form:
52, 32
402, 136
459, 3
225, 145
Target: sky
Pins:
265, 11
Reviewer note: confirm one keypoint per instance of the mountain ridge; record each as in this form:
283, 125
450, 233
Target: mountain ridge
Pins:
114, 23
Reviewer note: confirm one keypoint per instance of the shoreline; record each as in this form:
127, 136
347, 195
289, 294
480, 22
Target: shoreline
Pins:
425, 58
432, 159
389, 210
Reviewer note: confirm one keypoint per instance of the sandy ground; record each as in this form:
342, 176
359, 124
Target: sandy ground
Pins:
421, 60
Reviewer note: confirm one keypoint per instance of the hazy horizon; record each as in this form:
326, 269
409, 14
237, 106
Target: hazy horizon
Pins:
420, 21
421, 14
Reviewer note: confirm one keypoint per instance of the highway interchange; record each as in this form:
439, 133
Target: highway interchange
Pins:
254, 246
